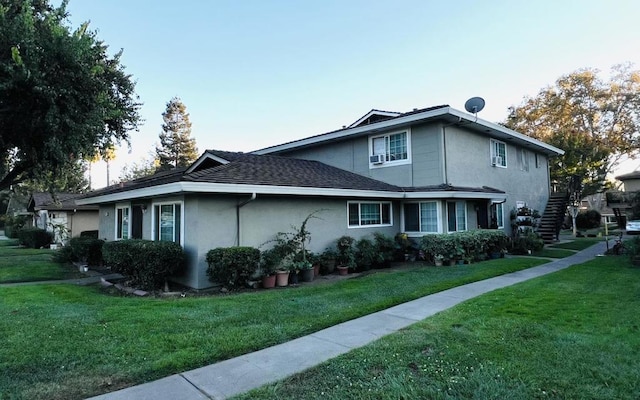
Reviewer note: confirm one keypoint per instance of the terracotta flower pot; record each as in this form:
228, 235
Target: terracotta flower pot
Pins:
316, 269
342, 270
268, 281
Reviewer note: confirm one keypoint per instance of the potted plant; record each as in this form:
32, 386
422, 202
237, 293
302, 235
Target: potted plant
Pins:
306, 271
437, 260
268, 262
346, 257
283, 269
327, 261
365, 254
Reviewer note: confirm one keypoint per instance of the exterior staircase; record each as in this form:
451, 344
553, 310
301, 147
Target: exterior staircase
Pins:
621, 203
553, 216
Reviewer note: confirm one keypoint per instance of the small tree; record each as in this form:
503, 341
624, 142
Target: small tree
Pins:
177, 147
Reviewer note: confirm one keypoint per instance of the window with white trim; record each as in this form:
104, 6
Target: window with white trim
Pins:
421, 217
368, 214
523, 160
498, 153
457, 216
168, 222
393, 147
123, 225
497, 216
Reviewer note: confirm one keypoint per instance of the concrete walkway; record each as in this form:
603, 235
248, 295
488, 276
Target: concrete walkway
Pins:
241, 374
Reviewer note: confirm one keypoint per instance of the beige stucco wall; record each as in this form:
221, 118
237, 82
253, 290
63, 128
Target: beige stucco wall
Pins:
83, 220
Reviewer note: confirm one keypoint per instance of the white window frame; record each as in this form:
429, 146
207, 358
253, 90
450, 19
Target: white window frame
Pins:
466, 215
387, 162
122, 207
421, 232
499, 214
360, 225
155, 216
494, 144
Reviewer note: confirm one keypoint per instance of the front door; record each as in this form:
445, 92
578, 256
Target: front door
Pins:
136, 221
482, 214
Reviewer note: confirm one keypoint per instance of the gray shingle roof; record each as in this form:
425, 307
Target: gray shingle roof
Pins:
252, 169
63, 201
268, 170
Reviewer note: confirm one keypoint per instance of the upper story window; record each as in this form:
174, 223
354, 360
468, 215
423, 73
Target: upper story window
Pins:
123, 226
523, 160
390, 148
168, 222
369, 214
498, 153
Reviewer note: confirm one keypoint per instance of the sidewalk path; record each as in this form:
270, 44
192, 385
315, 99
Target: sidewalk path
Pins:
241, 374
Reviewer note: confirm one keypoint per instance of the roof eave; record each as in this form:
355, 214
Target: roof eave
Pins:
487, 127
230, 188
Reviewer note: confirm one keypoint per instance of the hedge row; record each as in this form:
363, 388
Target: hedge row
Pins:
148, 263
81, 249
472, 245
34, 238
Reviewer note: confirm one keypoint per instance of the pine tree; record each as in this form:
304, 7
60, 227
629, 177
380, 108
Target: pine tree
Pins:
177, 147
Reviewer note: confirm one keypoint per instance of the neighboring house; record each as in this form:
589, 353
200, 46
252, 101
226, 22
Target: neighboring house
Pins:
427, 171
630, 181
622, 201
61, 215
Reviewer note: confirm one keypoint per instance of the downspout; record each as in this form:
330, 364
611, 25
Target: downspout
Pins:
238, 207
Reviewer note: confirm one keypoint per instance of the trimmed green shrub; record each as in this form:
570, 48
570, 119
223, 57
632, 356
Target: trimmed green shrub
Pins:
34, 238
525, 243
63, 255
588, 219
232, 266
86, 249
147, 263
473, 245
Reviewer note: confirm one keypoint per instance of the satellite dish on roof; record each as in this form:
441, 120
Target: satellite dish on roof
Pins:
474, 105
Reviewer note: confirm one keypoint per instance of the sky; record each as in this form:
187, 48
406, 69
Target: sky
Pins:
255, 73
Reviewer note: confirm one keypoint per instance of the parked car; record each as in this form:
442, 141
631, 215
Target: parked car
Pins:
633, 227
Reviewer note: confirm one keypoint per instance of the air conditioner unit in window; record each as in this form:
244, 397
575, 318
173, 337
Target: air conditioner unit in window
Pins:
497, 160
376, 159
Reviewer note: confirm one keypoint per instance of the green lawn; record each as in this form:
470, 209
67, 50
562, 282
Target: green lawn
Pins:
574, 334
28, 265
551, 252
63, 341
578, 243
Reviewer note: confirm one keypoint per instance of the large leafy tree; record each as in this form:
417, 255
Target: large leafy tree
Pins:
177, 147
595, 121
145, 167
63, 98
